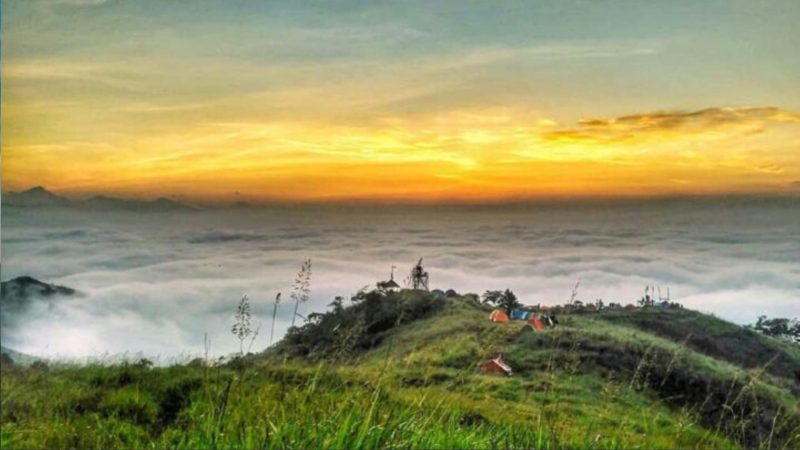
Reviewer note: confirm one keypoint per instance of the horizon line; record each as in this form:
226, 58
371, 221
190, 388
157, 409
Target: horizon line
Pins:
436, 202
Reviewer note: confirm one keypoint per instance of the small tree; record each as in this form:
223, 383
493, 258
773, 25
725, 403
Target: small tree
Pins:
492, 297
779, 327
337, 304
315, 318
648, 299
302, 287
599, 304
502, 299
241, 329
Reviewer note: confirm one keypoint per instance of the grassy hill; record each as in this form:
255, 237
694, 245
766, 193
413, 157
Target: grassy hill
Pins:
401, 370
17, 357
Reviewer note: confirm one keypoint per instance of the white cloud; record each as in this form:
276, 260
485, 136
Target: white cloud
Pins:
156, 284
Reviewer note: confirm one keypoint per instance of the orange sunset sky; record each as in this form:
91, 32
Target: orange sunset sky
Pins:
418, 101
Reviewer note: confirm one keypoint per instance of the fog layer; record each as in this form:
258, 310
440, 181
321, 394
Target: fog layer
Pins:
156, 283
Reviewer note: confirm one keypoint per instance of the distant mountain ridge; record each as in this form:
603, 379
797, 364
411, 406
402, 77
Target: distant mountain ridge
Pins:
40, 197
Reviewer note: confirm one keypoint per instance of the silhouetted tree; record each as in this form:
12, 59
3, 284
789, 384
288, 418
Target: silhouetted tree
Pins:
599, 304
648, 299
779, 327
337, 304
315, 318
502, 299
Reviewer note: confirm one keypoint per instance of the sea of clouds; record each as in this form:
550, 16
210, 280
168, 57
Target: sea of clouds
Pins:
155, 283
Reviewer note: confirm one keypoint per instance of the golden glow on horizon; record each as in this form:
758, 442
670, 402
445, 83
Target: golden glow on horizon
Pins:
465, 155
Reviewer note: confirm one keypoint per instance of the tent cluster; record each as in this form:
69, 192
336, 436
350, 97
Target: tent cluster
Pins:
538, 322
535, 321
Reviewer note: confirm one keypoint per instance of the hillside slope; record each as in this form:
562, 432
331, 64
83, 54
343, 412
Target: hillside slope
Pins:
716, 338
749, 395
400, 370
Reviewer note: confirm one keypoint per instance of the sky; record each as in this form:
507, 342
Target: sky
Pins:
212, 101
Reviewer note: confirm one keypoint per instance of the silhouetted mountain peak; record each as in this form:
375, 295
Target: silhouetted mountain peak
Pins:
26, 286
37, 190
35, 196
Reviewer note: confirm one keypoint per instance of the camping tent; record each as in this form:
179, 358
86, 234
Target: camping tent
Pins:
497, 366
536, 323
498, 316
519, 314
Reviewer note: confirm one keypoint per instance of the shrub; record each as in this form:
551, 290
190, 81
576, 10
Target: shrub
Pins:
131, 405
6, 360
175, 397
40, 366
361, 326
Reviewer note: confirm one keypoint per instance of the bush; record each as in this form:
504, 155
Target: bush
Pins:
175, 397
359, 327
6, 361
40, 366
116, 376
131, 405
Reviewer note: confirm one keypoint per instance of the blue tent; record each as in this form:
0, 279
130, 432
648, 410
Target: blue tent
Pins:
519, 314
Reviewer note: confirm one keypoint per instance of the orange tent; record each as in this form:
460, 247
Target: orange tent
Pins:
498, 316
536, 323
496, 366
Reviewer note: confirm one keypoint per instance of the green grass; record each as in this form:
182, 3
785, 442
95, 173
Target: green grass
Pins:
301, 406
589, 383
714, 337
